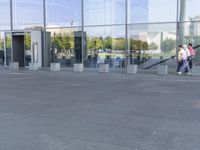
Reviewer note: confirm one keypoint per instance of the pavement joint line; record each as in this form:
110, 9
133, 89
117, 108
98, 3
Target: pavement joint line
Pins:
177, 80
21, 78
140, 79
103, 76
11, 73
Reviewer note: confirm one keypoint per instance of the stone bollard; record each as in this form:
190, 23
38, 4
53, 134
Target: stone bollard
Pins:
104, 68
78, 67
14, 65
34, 66
162, 69
132, 69
55, 67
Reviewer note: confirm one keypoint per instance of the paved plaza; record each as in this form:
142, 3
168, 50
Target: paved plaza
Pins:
45, 110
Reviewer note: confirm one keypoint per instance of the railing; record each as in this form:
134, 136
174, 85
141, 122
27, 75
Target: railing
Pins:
160, 62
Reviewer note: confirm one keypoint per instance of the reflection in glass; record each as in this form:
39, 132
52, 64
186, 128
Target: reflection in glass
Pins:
105, 45
27, 14
4, 15
189, 10
191, 34
63, 45
2, 48
150, 42
107, 12
63, 13
8, 40
144, 11
27, 52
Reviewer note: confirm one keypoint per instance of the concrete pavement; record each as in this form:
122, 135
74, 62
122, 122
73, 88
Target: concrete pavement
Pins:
45, 110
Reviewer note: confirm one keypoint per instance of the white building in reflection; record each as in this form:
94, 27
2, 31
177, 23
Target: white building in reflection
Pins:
194, 27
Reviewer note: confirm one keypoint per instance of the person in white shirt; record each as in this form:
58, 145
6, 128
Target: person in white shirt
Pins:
182, 58
186, 66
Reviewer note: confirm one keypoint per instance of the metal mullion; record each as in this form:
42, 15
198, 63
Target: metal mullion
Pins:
82, 30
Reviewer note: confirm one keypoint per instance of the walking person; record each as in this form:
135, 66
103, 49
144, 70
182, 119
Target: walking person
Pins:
181, 60
192, 54
186, 66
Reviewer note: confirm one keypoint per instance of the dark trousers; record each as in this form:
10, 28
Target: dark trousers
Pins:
191, 62
180, 64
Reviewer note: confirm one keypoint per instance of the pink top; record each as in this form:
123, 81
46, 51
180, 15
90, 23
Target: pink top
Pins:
192, 51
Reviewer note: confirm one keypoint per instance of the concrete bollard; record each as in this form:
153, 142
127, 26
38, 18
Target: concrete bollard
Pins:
132, 69
55, 67
34, 66
162, 69
14, 65
78, 67
104, 68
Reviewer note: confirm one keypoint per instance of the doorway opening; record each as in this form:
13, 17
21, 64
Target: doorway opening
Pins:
18, 47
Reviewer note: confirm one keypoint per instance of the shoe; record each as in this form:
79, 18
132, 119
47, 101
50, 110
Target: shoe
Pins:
179, 73
189, 73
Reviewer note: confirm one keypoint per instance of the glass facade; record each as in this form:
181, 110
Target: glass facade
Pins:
27, 13
149, 41
4, 15
107, 11
146, 11
63, 45
63, 13
115, 32
105, 44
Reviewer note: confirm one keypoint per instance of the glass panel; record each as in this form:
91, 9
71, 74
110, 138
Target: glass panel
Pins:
4, 15
63, 45
107, 12
144, 11
2, 48
8, 45
189, 10
148, 43
105, 45
27, 14
27, 52
189, 32
63, 13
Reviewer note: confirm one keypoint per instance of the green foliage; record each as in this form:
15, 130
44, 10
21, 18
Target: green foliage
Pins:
145, 46
120, 44
2, 44
153, 46
63, 42
138, 45
27, 41
108, 42
105, 43
168, 45
8, 41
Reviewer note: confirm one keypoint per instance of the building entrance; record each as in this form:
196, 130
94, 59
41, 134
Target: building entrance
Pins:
18, 47
26, 47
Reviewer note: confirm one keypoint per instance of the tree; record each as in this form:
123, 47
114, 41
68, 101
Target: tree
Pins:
153, 46
108, 42
2, 44
138, 45
168, 45
120, 44
27, 41
63, 42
